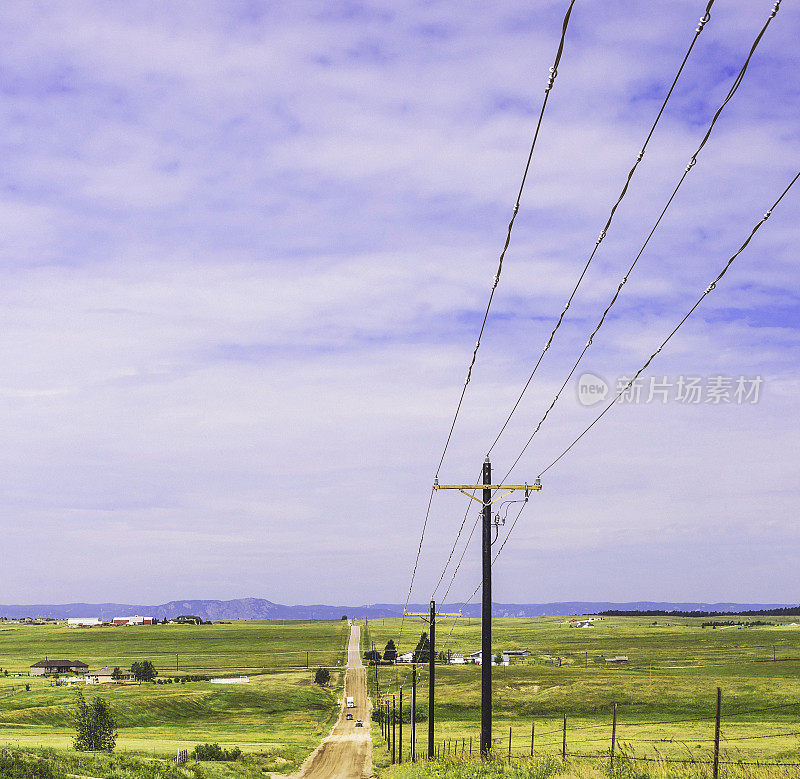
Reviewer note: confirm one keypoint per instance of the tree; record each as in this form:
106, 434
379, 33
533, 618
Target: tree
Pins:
322, 676
83, 726
390, 652
344, 616
95, 729
498, 659
116, 674
423, 649
105, 727
373, 656
144, 671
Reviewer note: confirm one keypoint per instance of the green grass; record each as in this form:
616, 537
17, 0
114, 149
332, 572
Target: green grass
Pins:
277, 719
675, 667
240, 646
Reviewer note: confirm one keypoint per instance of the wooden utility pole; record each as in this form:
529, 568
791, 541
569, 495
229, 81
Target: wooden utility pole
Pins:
400, 753
486, 565
564, 740
716, 732
486, 614
613, 734
414, 713
394, 729
431, 677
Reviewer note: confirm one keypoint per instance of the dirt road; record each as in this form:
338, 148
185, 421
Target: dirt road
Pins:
347, 751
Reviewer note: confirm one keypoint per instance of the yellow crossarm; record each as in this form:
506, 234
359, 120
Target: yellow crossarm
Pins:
487, 486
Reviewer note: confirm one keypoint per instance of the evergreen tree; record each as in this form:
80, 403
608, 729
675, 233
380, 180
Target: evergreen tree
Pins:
390, 652
423, 649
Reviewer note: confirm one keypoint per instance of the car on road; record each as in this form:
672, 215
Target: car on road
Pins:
359, 723
349, 716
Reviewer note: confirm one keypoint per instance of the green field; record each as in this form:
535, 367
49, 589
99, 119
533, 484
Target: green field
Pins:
277, 719
239, 646
666, 694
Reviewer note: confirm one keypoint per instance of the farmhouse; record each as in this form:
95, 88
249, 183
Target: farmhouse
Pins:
618, 660
49, 667
408, 657
84, 622
476, 657
136, 620
106, 675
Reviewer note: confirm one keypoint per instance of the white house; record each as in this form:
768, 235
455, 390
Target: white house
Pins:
408, 657
476, 657
106, 675
84, 622
457, 660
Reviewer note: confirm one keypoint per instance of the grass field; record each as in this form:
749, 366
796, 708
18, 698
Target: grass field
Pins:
666, 694
239, 646
276, 719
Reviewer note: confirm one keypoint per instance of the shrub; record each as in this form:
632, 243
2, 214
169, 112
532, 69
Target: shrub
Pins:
215, 752
322, 676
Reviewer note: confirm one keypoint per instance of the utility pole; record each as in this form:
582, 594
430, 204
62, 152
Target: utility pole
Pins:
400, 724
431, 619
486, 559
377, 691
394, 729
414, 713
486, 614
431, 677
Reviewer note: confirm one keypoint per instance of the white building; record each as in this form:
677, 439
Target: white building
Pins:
84, 622
476, 657
408, 657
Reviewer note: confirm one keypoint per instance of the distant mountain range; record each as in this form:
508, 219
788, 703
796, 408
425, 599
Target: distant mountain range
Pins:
258, 608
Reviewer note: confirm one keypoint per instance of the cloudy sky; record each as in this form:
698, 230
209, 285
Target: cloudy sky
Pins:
246, 248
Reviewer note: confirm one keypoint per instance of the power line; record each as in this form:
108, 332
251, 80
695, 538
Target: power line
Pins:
692, 162
550, 81
703, 21
711, 288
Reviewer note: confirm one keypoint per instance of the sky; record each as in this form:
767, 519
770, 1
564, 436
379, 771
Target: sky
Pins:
246, 251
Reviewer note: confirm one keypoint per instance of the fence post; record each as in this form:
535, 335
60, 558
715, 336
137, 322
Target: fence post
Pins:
470, 746
533, 732
509, 745
613, 734
564, 740
716, 733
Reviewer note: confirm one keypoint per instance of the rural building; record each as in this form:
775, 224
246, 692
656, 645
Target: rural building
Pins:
475, 657
50, 667
136, 620
456, 659
517, 652
618, 660
408, 657
587, 623
84, 622
106, 675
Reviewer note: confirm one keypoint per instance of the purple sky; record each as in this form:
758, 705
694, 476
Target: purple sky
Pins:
245, 253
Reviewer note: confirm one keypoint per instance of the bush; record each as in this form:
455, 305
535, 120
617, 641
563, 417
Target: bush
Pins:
14, 767
322, 676
215, 752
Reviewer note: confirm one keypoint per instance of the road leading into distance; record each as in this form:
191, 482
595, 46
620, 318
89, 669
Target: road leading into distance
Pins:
347, 751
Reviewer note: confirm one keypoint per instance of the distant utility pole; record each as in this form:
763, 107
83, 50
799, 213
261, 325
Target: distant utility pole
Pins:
414, 713
486, 606
400, 727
